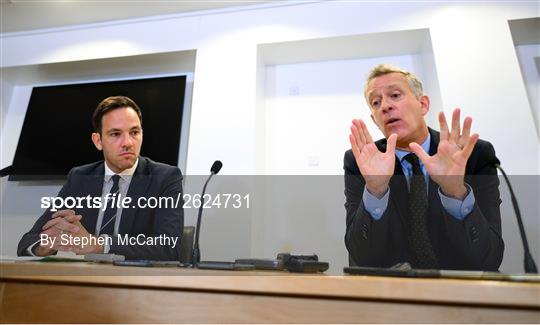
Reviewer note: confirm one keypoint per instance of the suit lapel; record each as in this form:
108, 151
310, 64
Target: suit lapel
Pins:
93, 186
398, 188
400, 192
432, 186
137, 188
435, 206
434, 143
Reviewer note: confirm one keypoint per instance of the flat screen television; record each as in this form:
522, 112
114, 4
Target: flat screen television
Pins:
57, 128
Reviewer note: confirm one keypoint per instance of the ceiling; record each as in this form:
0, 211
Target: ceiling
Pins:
24, 15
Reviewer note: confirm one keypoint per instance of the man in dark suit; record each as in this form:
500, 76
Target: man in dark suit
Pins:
419, 196
132, 230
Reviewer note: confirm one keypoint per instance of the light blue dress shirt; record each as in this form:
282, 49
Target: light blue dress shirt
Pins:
456, 208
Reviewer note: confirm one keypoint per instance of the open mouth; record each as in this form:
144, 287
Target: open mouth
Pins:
392, 121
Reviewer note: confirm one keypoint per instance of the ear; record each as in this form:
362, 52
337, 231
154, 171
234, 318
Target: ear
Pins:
96, 139
424, 101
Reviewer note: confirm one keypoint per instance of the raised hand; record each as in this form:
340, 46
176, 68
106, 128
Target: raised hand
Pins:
376, 167
447, 167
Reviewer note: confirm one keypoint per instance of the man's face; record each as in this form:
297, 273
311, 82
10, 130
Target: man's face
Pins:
395, 109
120, 139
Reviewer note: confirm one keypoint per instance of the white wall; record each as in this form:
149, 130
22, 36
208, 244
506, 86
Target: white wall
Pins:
529, 60
309, 108
470, 44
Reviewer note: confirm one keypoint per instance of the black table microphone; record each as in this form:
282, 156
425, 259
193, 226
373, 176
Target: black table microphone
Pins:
530, 265
196, 255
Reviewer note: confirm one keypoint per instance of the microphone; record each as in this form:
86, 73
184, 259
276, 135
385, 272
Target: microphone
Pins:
529, 264
196, 254
216, 167
7, 171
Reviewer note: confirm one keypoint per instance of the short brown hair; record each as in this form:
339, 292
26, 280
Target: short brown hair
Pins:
112, 103
383, 69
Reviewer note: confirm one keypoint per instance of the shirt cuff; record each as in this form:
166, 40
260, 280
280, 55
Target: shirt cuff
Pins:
106, 247
30, 251
373, 205
457, 208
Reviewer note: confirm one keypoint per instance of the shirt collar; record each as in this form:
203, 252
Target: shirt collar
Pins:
425, 145
124, 174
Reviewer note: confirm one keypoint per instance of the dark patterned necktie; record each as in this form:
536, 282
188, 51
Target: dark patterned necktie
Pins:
107, 224
421, 249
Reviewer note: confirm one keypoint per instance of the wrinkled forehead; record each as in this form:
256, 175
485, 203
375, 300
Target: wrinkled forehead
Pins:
386, 82
377, 89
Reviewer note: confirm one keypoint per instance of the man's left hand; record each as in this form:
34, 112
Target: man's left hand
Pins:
447, 166
82, 249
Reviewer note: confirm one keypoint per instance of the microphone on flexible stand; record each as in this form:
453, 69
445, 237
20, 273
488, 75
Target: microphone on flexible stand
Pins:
530, 265
196, 255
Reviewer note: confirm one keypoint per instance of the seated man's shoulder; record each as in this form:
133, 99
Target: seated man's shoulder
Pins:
483, 150
156, 168
91, 168
349, 163
482, 159
348, 155
483, 145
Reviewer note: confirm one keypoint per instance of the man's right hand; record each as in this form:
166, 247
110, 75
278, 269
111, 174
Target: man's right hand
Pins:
62, 221
376, 167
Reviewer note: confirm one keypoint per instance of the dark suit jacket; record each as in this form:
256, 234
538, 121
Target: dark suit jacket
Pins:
151, 179
472, 244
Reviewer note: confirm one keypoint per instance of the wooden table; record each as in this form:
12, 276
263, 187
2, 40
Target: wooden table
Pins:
33, 292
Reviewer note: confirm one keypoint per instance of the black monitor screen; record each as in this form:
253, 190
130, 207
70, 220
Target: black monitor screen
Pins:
56, 134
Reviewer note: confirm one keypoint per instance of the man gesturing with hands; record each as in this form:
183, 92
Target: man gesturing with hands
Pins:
419, 196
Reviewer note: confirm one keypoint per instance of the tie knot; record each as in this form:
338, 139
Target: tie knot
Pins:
415, 162
116, 179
